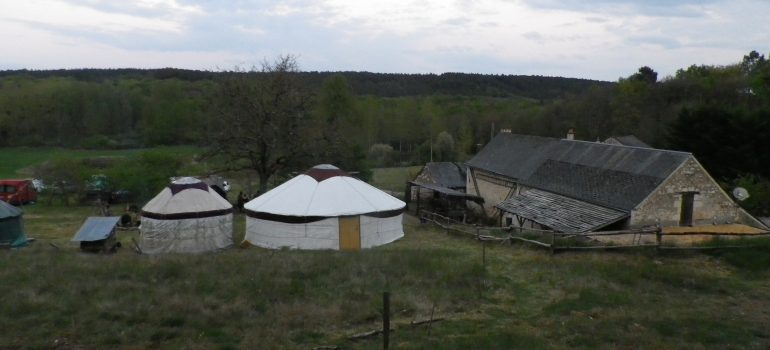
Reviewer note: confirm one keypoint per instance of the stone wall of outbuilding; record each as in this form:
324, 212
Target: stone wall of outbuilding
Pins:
711, 205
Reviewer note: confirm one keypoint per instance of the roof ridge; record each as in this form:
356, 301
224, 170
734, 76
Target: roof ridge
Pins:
592, 142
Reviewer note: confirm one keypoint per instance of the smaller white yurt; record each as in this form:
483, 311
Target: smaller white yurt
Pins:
324, 208
186, 217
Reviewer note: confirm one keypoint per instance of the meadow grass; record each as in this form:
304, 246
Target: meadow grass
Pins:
394, 179
55, 296
257, 298
14, 161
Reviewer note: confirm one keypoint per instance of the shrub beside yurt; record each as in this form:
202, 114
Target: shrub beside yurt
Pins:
324, 208
11, 226
186, 217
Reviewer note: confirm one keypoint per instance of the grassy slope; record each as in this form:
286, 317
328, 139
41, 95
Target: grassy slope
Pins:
256, 298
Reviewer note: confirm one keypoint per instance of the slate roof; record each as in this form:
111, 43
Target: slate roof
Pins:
561, 213
96, 228
628, 140
445, 174
613, 176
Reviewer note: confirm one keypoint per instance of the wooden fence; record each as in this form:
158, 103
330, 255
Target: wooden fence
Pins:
561, 241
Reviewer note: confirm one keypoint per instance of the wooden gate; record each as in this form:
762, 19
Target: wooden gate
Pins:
350, 233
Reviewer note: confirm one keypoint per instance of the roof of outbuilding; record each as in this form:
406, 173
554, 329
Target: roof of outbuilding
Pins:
561, 213
628, 140
96, 228
613, 176
445, 174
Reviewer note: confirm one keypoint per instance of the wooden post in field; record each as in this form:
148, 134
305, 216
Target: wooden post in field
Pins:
484, 253
553, 242
385, 320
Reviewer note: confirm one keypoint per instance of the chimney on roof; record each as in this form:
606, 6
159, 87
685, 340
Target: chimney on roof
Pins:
571, 134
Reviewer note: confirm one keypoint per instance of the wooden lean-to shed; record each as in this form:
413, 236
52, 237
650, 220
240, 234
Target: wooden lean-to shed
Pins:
440, 187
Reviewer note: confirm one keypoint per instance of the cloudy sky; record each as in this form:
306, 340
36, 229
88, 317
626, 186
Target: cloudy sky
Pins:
596, 39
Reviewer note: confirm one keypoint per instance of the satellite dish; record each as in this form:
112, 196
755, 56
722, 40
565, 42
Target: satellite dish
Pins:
740, 193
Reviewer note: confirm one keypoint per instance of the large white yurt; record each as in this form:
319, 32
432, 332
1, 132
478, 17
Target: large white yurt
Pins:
186, 217
324, 208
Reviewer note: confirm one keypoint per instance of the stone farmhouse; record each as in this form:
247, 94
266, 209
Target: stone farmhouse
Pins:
578, 186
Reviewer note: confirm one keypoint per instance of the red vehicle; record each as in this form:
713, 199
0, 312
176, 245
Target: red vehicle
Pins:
17, 191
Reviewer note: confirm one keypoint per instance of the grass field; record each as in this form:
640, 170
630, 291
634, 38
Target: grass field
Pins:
394, 179
255, 298
15, 160
55, 296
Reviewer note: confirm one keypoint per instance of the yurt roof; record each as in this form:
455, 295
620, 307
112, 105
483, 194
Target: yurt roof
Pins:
186, 197
324, 191
9, 211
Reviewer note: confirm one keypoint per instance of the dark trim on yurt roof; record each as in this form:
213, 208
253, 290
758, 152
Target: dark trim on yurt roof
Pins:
291, 219
191, 215
325, 171
176, 188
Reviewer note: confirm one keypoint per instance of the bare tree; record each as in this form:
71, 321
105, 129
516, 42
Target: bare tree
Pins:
261, 121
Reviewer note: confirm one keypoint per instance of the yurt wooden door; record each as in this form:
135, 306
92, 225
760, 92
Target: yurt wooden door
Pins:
350, 233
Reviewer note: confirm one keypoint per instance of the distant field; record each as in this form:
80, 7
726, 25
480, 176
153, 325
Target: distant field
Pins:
54, 296
12, 160
394, 179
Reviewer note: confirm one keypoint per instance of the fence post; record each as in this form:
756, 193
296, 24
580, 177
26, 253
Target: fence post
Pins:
484, 253
385, 320
553, 242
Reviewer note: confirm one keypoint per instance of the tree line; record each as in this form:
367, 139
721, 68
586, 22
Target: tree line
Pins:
359, 119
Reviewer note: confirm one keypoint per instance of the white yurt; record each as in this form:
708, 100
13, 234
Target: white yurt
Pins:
324, 208
186, 217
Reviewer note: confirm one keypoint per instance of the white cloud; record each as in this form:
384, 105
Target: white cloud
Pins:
601, 39
54, 13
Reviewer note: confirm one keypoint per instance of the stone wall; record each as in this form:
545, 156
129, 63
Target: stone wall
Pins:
711, 206
493, 188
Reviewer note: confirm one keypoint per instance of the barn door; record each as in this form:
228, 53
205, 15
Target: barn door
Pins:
685, 214
350, 233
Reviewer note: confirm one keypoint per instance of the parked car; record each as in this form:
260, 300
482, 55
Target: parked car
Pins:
17, 191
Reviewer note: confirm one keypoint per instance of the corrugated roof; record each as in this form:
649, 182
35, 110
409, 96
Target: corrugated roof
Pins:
445, 174
448, 191
96, 228
561, 213
613, 176
9, 211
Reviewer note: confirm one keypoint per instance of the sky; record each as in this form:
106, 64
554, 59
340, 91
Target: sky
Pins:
592, 39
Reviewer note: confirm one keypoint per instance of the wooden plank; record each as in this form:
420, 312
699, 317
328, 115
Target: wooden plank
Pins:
608, 247
705, 233
531, 241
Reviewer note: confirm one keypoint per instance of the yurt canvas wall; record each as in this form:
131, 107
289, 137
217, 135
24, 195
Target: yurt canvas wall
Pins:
324, 208
186, 217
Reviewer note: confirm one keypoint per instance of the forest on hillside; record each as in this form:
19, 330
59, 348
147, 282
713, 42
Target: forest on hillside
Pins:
720, 113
